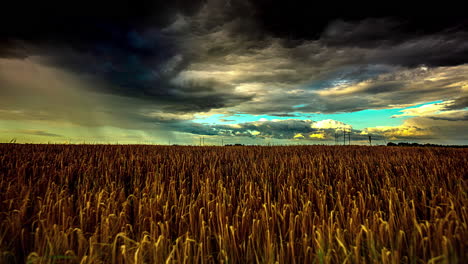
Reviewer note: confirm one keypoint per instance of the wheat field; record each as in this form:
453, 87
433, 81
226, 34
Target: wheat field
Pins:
246, 204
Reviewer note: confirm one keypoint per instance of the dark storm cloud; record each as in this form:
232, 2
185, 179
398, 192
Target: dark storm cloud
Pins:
83, 24
459, 103
366, 33
136, 50
408, 35
389, 42
434, 50
83, 21
463, 117
460, 115
192, 56
282, 129
307, 19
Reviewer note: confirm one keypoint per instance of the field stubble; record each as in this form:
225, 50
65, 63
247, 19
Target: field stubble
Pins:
290, 204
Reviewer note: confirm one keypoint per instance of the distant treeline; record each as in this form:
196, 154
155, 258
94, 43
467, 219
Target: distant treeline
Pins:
406, 144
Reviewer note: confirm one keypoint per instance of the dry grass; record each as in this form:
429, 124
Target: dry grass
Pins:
157, 204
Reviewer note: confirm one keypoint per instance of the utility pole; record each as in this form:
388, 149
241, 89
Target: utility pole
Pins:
370, 140
344, 136
349, 137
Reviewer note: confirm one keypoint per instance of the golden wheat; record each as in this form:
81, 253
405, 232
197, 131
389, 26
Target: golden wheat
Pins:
301, 204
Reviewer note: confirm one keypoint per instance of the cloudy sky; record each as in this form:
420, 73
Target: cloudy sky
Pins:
253, 72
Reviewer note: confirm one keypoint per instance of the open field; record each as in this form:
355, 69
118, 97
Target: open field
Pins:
181, 204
